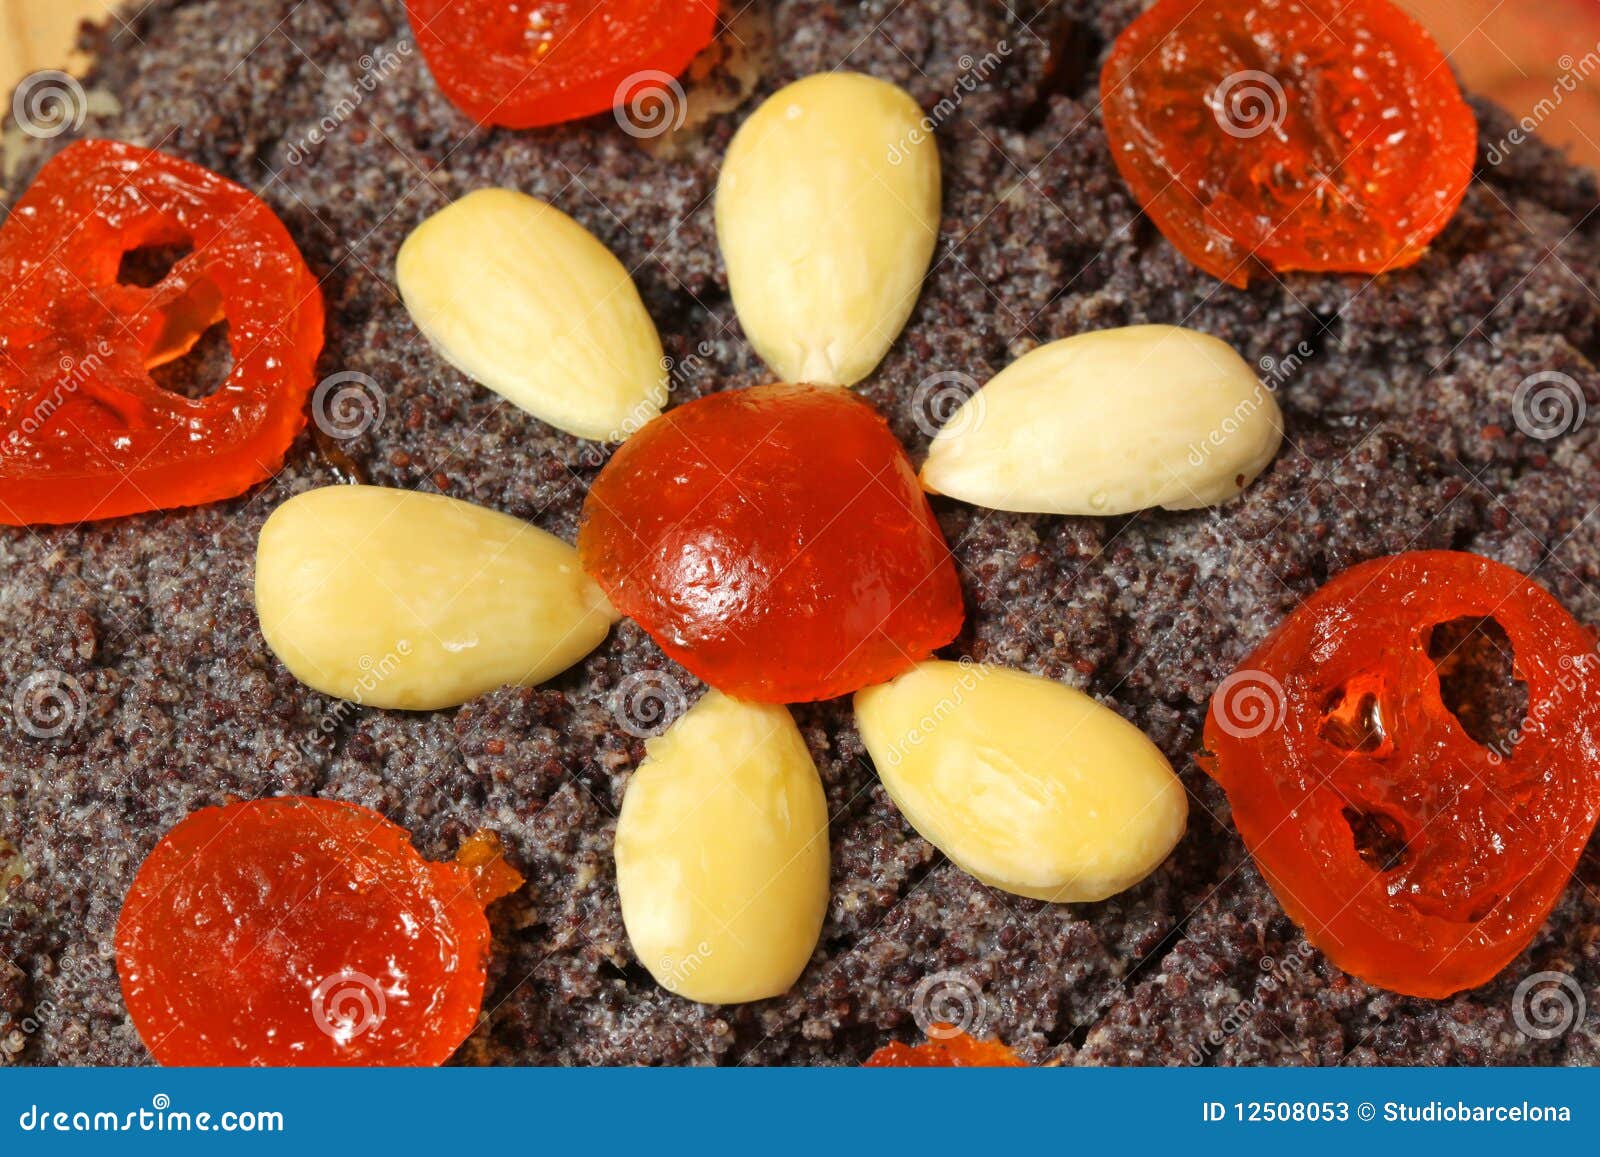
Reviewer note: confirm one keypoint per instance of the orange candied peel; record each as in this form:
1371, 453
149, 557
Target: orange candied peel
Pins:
305, 931
947, 1047
1324, 135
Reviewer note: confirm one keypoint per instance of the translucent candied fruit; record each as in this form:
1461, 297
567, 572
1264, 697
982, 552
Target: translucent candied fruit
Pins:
1295, 134
1418, 848
301, 931
774, 541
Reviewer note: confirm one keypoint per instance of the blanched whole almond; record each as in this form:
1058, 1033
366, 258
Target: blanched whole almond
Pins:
722, 853
396, 599
827, 213
1109, 423
519, 296
1023, 782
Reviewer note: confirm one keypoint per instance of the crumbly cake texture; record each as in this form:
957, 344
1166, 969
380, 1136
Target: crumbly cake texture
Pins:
1398, 395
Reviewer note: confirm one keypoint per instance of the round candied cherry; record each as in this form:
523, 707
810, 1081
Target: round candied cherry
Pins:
775, 542
946, 1048
544, 62
1414, 853
1298, 134
302, 931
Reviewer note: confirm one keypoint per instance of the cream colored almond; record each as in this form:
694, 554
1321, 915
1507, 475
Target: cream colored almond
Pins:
1109, 423
827, 213
722, 853
1026, 784
520, 297
396, 599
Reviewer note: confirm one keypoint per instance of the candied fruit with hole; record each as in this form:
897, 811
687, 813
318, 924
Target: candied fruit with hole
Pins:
1408, 821
85, 431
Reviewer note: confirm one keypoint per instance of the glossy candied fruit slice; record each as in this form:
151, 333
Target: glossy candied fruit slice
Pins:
1292, 134
523, 65
85, 430
774, 541
303, 931
946, 1048
1417, 821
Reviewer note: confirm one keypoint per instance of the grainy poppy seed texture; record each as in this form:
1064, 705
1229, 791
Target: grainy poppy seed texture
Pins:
1401, 434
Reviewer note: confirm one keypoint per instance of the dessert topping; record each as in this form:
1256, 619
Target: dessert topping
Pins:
85, 431
827, 214
1403, 817
722, 853
774, 541
947, 1047
1026, 784
522, 298
301, 931
523, 65
1298, 134
1109, 423
396, 599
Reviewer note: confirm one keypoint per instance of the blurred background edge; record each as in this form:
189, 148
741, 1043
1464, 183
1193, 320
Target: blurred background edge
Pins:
1525, 54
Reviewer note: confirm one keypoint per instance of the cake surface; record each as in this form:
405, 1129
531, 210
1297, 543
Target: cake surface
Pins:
1402, 432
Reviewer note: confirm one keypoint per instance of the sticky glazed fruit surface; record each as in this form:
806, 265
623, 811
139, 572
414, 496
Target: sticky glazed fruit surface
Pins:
1415, 855
1297, 134
304, 931
774, 541
524, 65
85, 431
